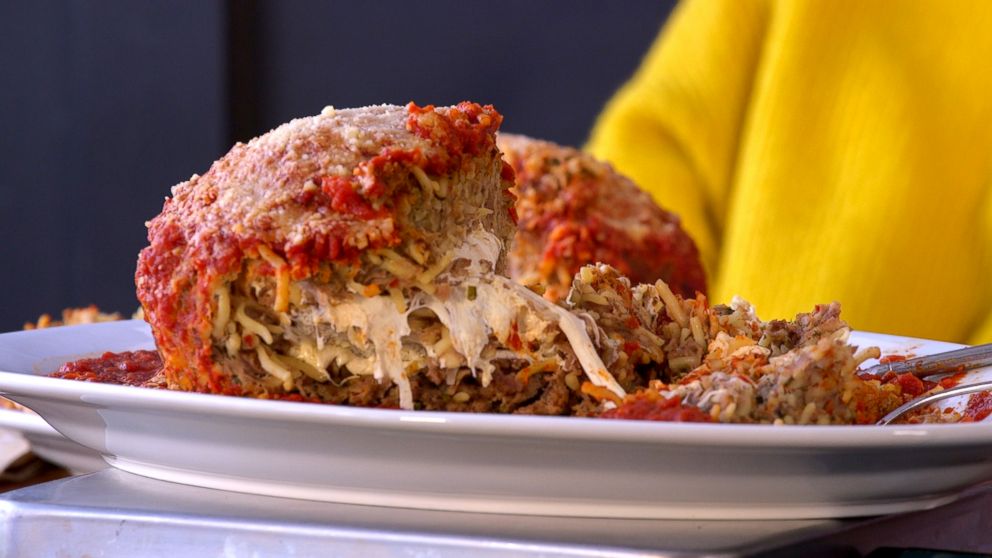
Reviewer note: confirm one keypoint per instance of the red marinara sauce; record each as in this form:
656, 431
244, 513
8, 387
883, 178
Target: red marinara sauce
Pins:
131, 368
979, 406
909, 385
666, 409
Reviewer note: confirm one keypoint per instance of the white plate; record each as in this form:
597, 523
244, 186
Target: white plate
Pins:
49, 444
489, 463
13, 446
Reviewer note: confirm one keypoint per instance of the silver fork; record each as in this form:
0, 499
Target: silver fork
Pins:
957, 360
933, 398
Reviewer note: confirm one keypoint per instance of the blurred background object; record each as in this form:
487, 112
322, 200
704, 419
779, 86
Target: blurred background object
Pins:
106, 105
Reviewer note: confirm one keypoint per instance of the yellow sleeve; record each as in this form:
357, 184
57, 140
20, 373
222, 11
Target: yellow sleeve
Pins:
674, 128
981, 332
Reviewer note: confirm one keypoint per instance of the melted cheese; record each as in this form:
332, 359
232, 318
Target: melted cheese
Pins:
385, 327
495, 305
575, 331
492, 312
479, 246
471, 322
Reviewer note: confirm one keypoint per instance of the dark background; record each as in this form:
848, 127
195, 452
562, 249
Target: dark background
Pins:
105, 105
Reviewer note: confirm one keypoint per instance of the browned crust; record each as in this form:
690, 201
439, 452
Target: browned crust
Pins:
575, 210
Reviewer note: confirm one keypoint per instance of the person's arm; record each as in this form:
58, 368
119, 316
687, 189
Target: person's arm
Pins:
674, 128
981, 332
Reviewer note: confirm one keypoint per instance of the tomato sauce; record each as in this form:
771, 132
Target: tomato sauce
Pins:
952, 380
978, 408
131, 368
630, 347
343, 198
909, 385
466, 128
666, 409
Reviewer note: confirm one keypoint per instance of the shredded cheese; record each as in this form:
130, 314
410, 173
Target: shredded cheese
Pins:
429, 185
272, 367
433, 271
672, 305
282, 277
308, 369
575, 331
250, 325
223, 313
697, 331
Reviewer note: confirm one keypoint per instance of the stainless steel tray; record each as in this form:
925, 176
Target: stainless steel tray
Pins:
116, 514
111, 513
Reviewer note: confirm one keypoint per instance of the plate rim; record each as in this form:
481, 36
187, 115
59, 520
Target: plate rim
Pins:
27, 422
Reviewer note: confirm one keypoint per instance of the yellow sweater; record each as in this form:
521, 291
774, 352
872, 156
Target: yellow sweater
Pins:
824, 150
